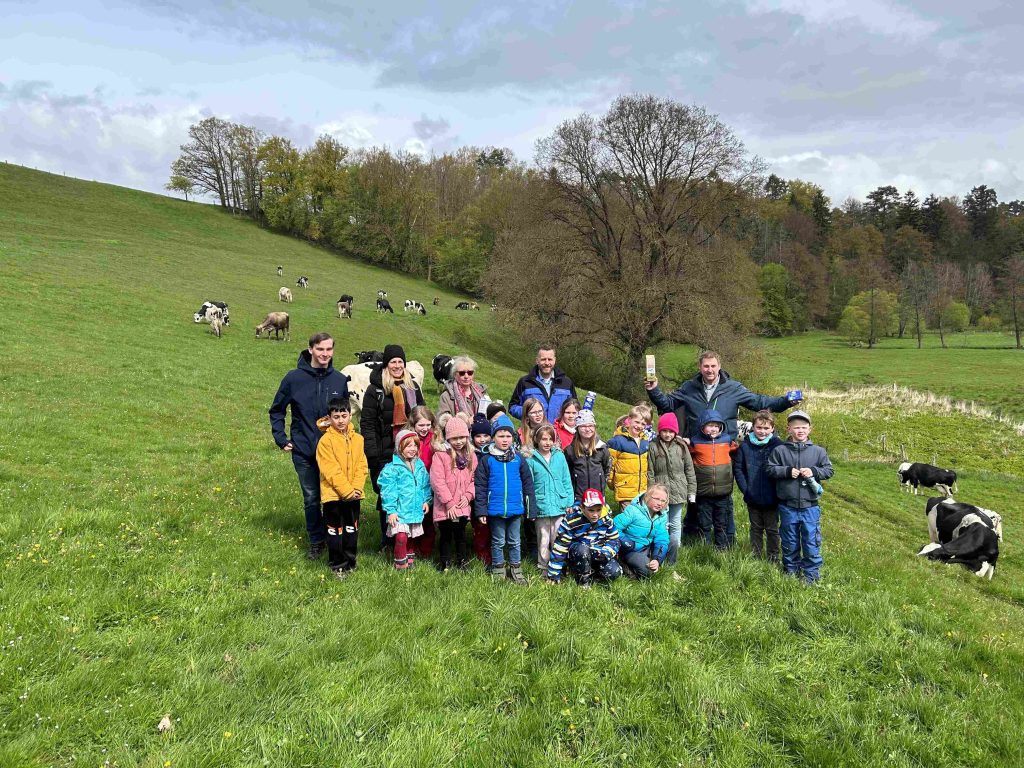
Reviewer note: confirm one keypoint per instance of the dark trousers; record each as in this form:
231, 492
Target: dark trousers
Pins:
764, 528
453, 541
425, 544
637, 561
715, 519
481, 541
585, 565
309, 483
342, 522
529, 540
376, 467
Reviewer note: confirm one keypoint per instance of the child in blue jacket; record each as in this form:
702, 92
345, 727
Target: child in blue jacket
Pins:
504, 494
750, 468
405, 496
643, 530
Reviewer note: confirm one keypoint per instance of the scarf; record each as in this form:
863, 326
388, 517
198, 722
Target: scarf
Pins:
398, 416
461, 461
753, 438
464, 404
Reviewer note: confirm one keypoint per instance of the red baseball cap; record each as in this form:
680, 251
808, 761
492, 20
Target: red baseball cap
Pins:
593, 498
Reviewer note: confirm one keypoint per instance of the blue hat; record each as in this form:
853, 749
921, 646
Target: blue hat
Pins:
503, 422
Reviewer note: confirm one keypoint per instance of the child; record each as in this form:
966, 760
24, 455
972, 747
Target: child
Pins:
587, 541
643, 529
669, 463
628, 449
495, 409
648, 414
422, 422
589, 461
451, 478
405, 496
533, 417
480, 434
712, 453
565, 424
751, 470
798, 466
504, 493
552, 486
343, 471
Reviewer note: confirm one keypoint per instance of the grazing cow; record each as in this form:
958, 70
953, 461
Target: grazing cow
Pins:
462, 305
359, 380
437, 300
370, 356
201, 314
276, 322
915, 475
383, 305
284, 294
415, 306
474, 305
280, 270
443, 368
216, 317
963, 533
382, 294
302, 282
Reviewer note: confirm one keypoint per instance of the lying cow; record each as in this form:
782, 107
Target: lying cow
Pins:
443, 368
284, 294
202, 314
963, 533
915, 475
384, 306
359, 380
462, 305
276, 322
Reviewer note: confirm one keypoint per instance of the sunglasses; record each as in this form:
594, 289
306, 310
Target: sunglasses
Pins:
464, 373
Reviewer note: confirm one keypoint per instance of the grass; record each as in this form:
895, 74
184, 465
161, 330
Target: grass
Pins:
151, 549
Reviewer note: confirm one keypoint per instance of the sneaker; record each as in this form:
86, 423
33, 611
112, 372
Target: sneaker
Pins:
341, 574
497, 573
316, 551
412, 562
515, 574
463, 565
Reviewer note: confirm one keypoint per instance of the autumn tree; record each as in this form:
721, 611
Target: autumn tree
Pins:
869, 316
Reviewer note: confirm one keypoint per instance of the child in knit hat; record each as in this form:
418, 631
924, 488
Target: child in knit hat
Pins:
405, 496
480, 436
451, 477
669, 463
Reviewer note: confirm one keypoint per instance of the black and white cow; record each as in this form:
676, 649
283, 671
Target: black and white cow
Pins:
359, 380
915, 475
201, 315
302, 282
383, 305
415, 306
280, 269
963, 533
345, 306
382, 294
369, 356
462, 305
443, 368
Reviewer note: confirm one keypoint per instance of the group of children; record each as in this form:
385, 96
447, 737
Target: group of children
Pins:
489, 474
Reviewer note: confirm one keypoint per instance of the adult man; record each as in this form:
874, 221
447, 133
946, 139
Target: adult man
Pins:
711, 388
307, 389
547, 383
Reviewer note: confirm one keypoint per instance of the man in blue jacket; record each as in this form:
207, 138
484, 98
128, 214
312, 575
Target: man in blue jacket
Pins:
546, 382
307, 389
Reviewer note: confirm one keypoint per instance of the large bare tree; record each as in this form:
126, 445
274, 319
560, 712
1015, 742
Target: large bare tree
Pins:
624, 245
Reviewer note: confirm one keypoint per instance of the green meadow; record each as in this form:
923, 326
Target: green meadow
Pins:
152, 543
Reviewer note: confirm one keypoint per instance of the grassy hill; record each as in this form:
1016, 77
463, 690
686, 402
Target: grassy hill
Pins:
151, 548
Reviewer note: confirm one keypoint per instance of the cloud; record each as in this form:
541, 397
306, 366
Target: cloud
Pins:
427, 129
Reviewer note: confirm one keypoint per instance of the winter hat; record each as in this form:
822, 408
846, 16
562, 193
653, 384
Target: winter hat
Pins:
593, 498
503, 422
495, 408
668, 421
402, 436
481, 426
391, 351
455, 427
799, 415
585, 417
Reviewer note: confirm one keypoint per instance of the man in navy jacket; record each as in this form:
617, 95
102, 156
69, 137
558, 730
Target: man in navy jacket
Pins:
546, 382
307, 389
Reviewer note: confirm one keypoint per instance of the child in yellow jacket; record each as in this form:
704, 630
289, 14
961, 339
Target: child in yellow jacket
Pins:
343, 471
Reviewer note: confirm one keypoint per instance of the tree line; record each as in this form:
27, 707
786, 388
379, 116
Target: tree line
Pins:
647, 224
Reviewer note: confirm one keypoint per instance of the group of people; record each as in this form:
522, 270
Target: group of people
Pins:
469, 465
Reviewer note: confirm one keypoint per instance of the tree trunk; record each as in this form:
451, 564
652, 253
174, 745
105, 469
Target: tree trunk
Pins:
1016, 321
942, 334
917, 325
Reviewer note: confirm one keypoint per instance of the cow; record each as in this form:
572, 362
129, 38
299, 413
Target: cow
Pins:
437, 300
359, 380
276, 322
345, 303
284, 294
743, 429
216, 317
382, 294
462, 305
915, 475
415, 306
280, 270
494, 307
963, 533
474, 305
369, 356
443, 368
201, 314
383, 305
302, 282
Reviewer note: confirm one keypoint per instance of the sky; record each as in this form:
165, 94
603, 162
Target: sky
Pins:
850, 96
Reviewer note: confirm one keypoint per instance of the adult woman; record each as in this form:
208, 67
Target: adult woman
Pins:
643, 531
387, 403
464, 394
565, 424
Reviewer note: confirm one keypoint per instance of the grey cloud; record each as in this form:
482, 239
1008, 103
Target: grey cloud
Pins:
300, 134
427, 129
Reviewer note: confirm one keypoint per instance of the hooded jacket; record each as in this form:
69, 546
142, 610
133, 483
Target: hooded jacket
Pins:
375, 419
671, 465
640, 529
712, 458
688, 403
403, 492
751, 470
451, 484
628, 477
504, 484
552, 484
339, 455
588, 471
796, 492
529, 386
601, 536
307, 390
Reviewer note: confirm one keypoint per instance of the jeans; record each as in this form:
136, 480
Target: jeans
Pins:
715, 518
309, 482
637, 561
764, 526
800, 531
584, 564
505, 530
675, 532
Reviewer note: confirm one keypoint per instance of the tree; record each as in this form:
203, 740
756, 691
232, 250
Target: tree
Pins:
956, 317
945, 286
884, 204
915, 291
869, 316
283, 201
908, 244
776, 312
180, 184
1012, 284
776, 188
980, 208
206, 160
627, 238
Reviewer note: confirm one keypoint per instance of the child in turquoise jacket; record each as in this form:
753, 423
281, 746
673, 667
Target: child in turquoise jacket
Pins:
552, 485
405, 496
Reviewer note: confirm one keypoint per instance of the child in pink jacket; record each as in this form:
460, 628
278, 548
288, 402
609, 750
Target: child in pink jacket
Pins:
451, 477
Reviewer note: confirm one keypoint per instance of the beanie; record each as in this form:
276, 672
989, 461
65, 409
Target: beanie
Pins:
503, 422
402, 436
668, 421
481, 426
495, 408
391, 351
585, 417
455, 427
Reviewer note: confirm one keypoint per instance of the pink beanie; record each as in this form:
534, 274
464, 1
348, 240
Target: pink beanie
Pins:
668, 421
455, 427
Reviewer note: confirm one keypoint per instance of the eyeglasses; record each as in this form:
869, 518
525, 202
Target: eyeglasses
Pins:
464, 373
